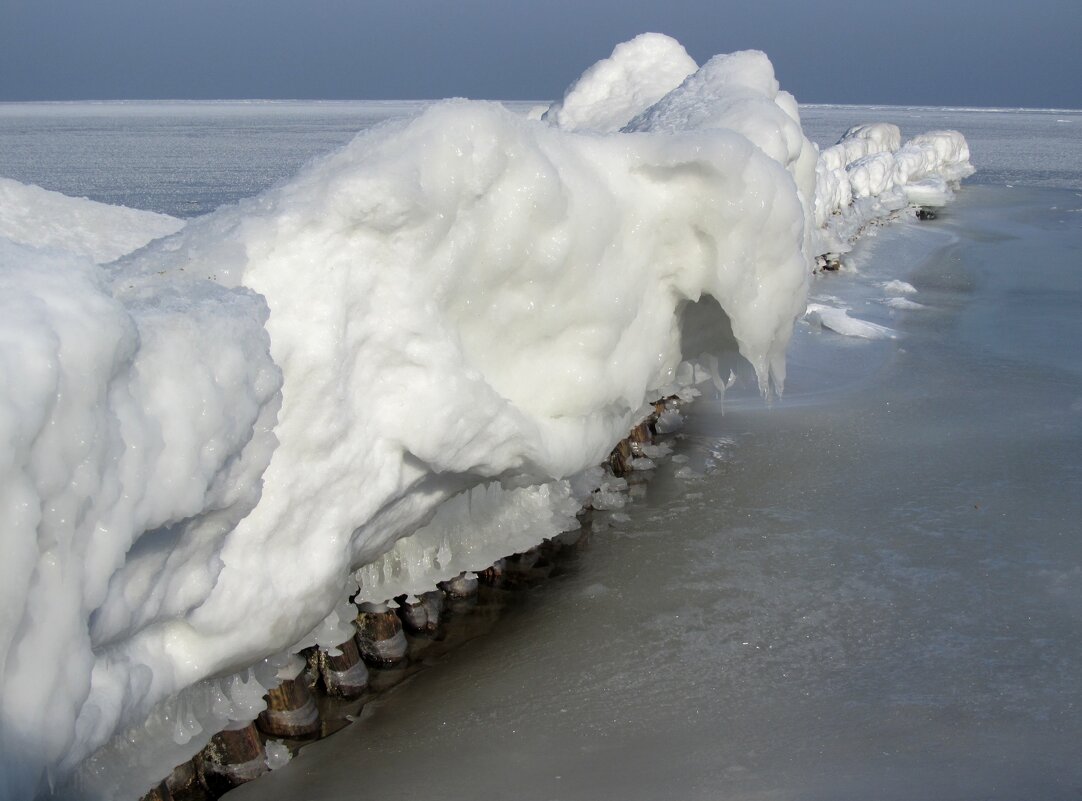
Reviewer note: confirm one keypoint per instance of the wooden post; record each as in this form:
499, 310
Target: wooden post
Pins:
464, 585
344, 675
159, 793
231, 758
422, 614
380, 637
183, 784
290, 711
640, 435
620, 458
433, 601
492, 576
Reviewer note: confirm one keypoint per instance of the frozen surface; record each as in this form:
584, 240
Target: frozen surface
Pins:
38, 218
181, 158
435, 330
735, 91
837, 319
869, 175
614, 90
1015, 147
873, 592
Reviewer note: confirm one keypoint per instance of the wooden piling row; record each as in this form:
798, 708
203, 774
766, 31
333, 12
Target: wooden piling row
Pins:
238, 755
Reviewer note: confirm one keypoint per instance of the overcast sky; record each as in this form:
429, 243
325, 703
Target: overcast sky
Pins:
935, 52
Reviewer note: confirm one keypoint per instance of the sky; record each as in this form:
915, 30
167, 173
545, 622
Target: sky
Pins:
904, 52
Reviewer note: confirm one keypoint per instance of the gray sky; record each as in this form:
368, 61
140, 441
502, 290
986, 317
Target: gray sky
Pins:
935, 52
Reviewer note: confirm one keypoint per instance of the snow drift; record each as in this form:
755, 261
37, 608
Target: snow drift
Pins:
869, 174
397, 366
32, 216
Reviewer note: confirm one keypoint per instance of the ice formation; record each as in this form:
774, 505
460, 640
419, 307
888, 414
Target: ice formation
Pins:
869, 174
400, 365
637, 74
30, 215
838, 320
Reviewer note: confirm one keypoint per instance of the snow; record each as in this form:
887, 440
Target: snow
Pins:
897, 287
869, 175
398, 366
838, 320
134, 434
30, 215
637, 74
904, 304
739, 92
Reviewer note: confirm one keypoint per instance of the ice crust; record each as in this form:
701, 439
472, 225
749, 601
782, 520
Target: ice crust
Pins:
637, 74
400, 365
30, 215
869, 175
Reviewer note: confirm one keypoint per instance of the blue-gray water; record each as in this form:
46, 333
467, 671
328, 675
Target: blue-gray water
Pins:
874, 589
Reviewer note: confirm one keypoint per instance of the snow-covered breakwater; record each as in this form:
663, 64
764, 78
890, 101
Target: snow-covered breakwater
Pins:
213, 436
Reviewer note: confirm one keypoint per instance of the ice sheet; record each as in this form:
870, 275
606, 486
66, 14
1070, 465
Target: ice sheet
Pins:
214, 439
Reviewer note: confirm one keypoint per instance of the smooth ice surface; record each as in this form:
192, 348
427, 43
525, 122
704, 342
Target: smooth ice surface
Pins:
872, 591
437, 329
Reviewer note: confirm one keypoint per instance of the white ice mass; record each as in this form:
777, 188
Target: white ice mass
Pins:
402, 364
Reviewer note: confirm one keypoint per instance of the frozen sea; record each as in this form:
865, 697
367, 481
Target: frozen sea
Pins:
871, 589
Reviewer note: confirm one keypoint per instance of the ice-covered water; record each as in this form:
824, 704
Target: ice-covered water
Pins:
183, 158
873, 591
1030, 147
226, 159
188, 158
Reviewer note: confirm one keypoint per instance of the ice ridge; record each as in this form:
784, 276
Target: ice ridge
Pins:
401, 364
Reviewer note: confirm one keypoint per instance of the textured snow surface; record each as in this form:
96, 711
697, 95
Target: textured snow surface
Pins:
135, 434
30, 215
637, 74
869, 175
398, 366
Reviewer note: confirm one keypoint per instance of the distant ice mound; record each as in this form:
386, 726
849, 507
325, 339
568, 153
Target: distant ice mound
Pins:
869, 174
397, 366
637, 74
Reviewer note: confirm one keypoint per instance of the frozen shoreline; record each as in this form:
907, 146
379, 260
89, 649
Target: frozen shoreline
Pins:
233, 379
870, 595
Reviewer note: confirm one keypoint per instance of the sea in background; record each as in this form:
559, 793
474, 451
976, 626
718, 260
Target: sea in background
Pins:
870, 589
186, 158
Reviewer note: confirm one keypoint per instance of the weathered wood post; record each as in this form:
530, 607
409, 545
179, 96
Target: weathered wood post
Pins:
291, 711
344, 674
380, 637
231, 758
